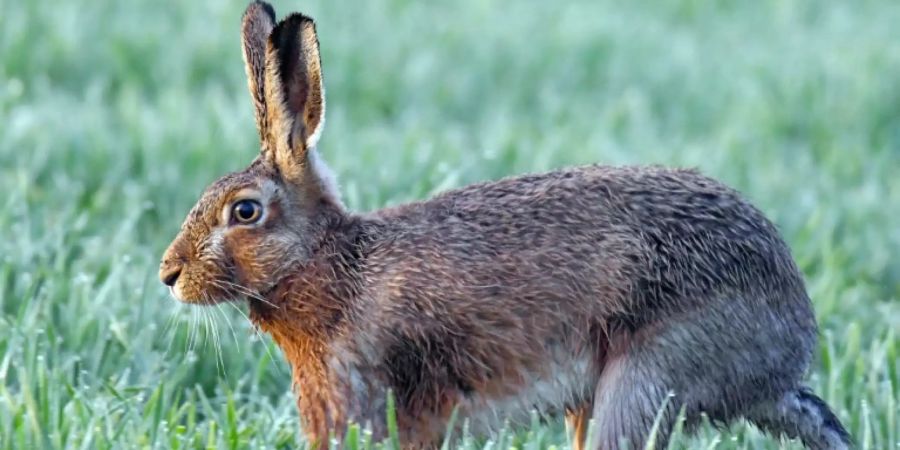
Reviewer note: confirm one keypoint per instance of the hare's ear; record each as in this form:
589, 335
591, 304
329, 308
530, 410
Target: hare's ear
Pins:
256, 26
295, 97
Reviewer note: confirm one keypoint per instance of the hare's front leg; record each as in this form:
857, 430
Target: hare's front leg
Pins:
364, 401
577, 421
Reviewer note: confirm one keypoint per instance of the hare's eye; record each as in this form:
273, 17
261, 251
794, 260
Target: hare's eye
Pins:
246, 211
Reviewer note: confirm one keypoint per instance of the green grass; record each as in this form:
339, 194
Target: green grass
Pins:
115, 115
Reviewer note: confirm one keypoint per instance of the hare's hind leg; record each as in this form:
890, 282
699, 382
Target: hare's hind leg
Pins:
801, 414
628, 400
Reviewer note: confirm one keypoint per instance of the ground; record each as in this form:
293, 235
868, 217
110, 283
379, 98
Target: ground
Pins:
114, 115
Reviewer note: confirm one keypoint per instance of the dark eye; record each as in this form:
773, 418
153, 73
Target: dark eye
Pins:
246, 211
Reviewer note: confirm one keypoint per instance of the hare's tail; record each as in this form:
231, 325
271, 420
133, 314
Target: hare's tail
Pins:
801, 414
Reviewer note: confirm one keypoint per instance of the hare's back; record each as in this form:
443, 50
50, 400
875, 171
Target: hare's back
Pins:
619, 240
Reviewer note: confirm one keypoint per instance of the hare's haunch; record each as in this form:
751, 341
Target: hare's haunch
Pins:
613, 294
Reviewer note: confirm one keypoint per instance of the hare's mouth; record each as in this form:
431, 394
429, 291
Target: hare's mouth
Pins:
203, 300
207, 296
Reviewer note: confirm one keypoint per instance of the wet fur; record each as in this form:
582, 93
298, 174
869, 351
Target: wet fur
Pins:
597, 291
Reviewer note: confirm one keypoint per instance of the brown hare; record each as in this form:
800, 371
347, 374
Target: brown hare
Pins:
623, 295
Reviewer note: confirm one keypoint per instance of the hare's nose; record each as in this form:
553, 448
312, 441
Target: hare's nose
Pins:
170, 275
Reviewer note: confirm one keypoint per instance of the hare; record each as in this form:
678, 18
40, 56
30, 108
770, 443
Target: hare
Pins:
624, 296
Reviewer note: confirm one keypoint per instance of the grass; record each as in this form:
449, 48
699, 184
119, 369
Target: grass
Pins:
115, 115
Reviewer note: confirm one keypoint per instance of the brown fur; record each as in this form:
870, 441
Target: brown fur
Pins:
596, 290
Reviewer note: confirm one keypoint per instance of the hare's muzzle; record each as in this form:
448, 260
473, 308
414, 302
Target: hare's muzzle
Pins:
171, 267
169, 275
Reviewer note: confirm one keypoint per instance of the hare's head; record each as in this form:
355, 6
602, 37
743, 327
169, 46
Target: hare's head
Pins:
250, 227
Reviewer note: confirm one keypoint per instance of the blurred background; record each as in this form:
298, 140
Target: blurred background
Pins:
115, 115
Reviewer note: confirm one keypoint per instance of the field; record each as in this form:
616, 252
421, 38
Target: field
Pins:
115, 115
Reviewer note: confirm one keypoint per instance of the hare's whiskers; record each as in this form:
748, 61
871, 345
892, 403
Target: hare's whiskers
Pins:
195, 330
264, 342
246, 291
230, 327
218, 337
170, 321
190, 335
230, 286
213, 331
204, 329
211, 335
169, 330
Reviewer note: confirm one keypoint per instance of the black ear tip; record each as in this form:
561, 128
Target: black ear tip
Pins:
258, 6
289, 27
297, 19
